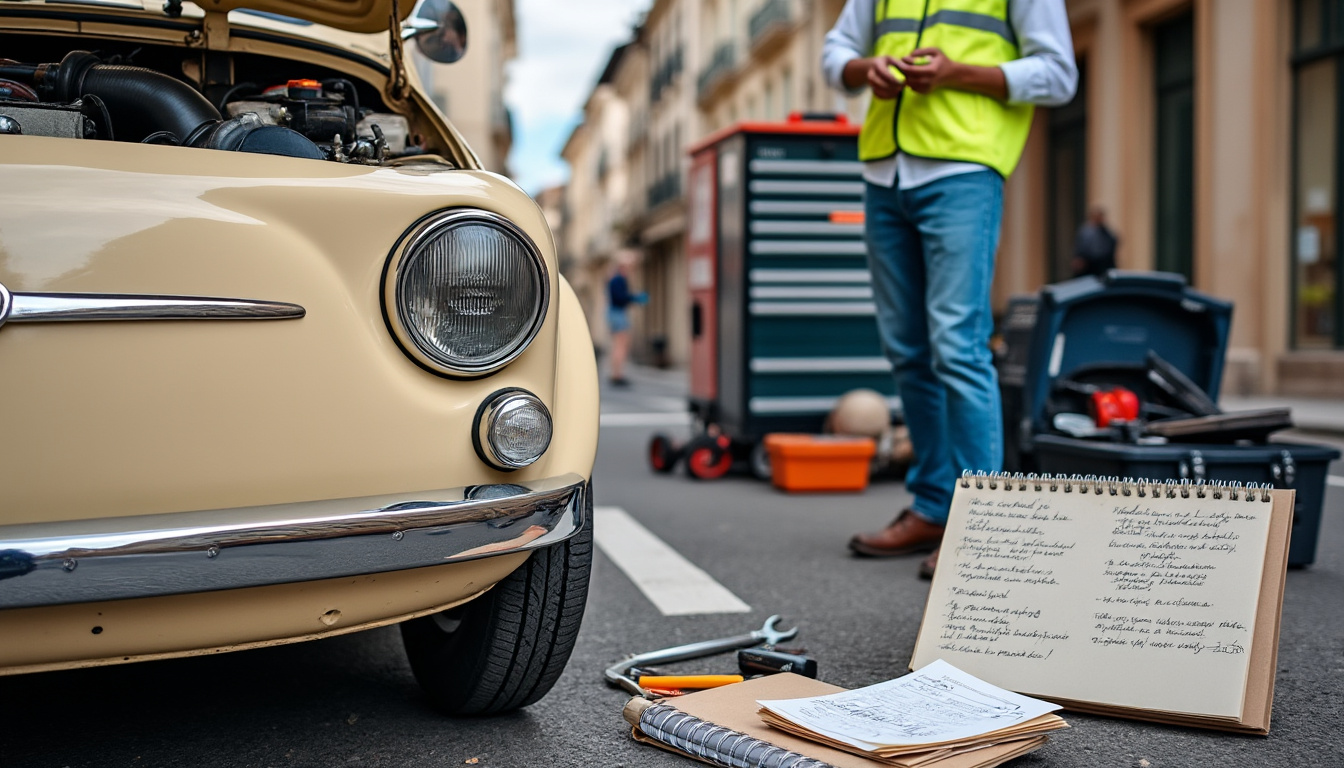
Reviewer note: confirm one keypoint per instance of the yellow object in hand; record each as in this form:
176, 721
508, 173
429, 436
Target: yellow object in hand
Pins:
896, 73
687, 681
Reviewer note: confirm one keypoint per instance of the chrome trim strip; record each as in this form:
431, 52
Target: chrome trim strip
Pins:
794, 207
807, 167
810, 276
81, 561
839, 188
820, 365
854, 247
811, 292
811, 308
778, 227
81, 307
804, 404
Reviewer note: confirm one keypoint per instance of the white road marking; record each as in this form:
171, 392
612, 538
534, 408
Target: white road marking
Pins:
652, 419
1335, 480
675, 585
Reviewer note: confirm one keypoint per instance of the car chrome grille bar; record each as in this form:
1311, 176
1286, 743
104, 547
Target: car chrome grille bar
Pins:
82, 307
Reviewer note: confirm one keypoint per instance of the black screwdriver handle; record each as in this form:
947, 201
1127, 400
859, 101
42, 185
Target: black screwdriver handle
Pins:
754, 661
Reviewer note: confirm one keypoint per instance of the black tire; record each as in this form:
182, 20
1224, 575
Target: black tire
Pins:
506, 648
760, 461
663, 453
708, 458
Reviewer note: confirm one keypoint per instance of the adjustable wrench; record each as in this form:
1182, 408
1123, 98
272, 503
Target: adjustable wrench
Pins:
618, 674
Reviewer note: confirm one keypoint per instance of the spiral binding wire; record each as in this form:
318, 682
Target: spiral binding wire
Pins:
1116, 486
717, 745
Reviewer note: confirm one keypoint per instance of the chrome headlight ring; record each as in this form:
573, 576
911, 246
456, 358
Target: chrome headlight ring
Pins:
512, 429
5, 301
465, 291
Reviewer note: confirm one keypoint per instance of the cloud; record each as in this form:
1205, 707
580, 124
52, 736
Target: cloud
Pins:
562, 48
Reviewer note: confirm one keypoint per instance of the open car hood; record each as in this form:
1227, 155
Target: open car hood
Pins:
351, 15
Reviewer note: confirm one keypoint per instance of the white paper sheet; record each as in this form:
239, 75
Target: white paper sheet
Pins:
935, 704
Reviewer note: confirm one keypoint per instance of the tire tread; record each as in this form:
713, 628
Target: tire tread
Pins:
515, 640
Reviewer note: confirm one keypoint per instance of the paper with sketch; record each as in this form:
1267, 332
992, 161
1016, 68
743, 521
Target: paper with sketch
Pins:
933, 705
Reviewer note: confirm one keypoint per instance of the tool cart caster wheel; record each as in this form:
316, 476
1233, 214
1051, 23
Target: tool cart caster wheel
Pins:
663, 453
709, 458
760, 461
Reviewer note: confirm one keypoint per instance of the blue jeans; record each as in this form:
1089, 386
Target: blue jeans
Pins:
931, 252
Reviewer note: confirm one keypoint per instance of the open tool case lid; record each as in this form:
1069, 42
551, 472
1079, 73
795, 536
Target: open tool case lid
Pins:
1114, 321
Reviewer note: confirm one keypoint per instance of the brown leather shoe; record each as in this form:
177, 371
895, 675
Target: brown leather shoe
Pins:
908, 533
928, 565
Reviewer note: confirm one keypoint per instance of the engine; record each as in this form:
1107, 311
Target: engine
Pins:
86, 98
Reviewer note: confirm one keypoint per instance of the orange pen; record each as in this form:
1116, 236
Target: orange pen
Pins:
687, 681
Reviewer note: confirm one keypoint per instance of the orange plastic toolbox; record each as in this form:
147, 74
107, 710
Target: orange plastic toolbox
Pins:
819, 463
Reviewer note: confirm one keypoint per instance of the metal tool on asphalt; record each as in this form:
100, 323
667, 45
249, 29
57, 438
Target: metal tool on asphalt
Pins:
769, 635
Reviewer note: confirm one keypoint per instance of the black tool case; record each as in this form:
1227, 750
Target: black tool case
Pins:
1102, 331
1283, 465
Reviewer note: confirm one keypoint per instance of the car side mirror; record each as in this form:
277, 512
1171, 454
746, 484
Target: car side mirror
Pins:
439, 29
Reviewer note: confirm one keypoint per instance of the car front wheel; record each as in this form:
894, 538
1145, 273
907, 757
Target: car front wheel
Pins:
506, 648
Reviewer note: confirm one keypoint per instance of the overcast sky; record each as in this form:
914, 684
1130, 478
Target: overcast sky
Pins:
562, 47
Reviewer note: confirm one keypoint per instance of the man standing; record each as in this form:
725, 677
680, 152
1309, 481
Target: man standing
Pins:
953, 83
1094, 245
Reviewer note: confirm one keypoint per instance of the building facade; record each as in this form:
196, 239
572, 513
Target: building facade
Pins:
596, 195
1208, 132
692, 67
471, 91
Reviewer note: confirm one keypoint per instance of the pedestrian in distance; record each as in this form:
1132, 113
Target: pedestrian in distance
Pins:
952, 91
619, 299
1094, 245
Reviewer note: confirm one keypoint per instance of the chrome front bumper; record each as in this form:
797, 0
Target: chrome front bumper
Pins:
82, 561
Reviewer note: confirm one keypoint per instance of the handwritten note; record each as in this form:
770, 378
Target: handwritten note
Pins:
933, 705
1123, 600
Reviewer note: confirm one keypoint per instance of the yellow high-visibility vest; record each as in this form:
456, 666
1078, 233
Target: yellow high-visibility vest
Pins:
947, 124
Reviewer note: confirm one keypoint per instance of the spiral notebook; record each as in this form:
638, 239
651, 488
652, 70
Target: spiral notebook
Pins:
1151, 600
722, 727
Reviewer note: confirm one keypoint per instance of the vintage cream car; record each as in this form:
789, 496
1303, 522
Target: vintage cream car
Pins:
280, 361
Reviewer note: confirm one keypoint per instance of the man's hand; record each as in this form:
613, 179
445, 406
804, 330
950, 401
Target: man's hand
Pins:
882, 79
928, 69
876, 73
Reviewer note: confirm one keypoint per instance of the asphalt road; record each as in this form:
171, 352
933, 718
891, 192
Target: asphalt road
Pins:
351, 701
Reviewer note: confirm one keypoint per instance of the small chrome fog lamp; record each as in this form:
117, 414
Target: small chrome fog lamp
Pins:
512, 430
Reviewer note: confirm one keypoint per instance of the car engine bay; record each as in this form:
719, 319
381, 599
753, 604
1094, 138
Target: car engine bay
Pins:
305, 112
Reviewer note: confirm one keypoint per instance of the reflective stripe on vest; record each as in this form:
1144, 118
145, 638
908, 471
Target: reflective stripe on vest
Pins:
947, 124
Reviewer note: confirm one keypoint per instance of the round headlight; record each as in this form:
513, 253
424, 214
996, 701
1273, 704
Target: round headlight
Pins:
466, 291
513, 429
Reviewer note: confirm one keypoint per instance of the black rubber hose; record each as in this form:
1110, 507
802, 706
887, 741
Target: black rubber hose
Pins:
139, 102
142, 102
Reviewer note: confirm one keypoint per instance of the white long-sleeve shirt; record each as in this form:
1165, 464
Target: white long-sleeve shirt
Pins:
1045, 75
